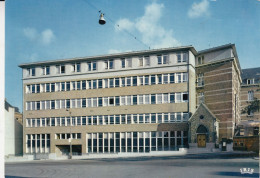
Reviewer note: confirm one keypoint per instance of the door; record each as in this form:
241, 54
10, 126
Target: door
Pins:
201, 138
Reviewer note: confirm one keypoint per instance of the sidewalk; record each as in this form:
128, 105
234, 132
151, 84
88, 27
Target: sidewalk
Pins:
183, 152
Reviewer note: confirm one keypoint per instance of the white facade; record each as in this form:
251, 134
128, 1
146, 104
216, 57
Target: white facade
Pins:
13, 133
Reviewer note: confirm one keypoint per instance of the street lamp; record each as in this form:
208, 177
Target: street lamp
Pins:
70, 139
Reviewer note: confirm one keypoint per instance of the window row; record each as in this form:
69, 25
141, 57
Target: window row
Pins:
143, 61
38, 143
136, 141
108, 83
108, 119
108, 101
62, 136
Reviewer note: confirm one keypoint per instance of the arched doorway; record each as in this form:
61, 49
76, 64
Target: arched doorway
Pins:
202, 132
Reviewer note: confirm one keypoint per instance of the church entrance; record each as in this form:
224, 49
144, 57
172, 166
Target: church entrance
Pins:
201, 140
202, 132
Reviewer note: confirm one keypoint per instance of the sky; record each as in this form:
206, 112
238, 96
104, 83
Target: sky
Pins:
60, 29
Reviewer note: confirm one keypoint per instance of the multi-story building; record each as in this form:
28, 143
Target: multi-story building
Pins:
128, 102
250, 91
218, 86
142, 101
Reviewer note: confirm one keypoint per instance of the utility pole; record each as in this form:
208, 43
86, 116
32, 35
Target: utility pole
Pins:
70, 157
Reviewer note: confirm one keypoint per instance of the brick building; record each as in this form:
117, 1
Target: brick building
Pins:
250, 90
218, 86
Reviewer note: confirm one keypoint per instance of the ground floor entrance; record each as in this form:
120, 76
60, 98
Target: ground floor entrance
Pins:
65, 149
201, 139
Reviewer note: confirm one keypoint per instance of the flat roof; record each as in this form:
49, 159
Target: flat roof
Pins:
109, 56
226, 46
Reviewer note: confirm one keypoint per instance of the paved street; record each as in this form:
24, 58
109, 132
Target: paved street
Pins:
204, 165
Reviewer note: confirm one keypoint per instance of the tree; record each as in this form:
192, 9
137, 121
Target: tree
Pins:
252, 107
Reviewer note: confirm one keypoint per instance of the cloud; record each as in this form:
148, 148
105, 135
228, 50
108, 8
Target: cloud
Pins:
30, 33
151, 31
45, 37
199, 9
113, 51
124, 24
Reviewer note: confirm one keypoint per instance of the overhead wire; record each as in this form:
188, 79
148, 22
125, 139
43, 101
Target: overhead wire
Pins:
117, 25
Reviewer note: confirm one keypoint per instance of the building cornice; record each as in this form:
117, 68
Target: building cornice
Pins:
110, 56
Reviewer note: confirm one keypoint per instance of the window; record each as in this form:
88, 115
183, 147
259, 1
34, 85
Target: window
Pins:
185, 77
100, 83
172, 98
128, 81
200, 80
179, 58
76, 67
141, 62
60, 69
182, 57
52, 87
201, 98
250, 95
134, 81
159, 98
94, 82
153, 81
185, 97
172, 78
117, 82
165, 59
67, 103
129, 62
111, 83
84, 85
141, 80
201, 60
109, 64
38, 89
146, 80
135, 100
92, 66
46, 70
144, 61
178, 78
153, 99
47, 87
126, 63
178, 97
67, 86
123, 63
165, 98
159, 60
146, 99
31, 71
78, 85
165, 79
111, 101
250, 81
141, 99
